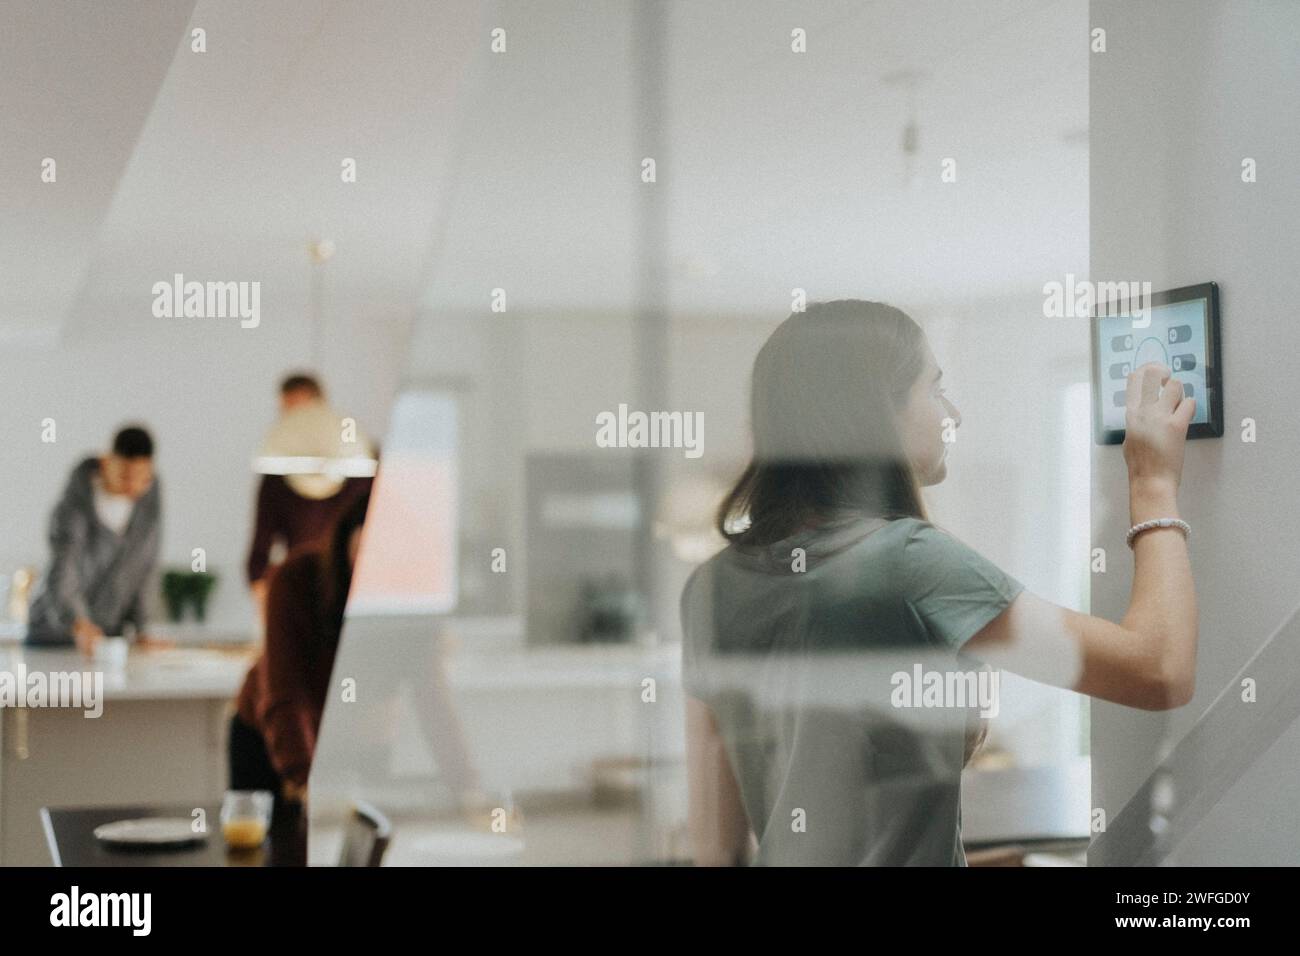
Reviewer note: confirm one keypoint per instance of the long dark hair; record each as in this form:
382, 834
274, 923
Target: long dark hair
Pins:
336, 568
827, 389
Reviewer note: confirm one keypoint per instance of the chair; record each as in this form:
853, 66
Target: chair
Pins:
366, 837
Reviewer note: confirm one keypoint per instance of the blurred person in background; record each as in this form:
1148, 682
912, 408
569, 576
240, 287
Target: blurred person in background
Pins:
104, 541
273, 733
297, 509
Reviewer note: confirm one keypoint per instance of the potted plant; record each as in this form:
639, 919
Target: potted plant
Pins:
183, 586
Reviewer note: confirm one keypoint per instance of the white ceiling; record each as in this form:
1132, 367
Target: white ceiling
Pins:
522, 170
238, 169
77, 82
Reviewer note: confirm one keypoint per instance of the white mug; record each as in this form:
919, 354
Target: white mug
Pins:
112, 652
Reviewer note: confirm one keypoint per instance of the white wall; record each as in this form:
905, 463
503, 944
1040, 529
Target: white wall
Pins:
1183, 94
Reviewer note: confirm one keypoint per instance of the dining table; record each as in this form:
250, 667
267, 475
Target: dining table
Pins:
70, 837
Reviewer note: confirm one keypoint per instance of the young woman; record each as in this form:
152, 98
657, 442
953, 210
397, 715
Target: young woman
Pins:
807, 638
273, 734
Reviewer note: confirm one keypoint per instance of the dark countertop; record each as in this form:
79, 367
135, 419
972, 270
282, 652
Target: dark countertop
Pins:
70, 835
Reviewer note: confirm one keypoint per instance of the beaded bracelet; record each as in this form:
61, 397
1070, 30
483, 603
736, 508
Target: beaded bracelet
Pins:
1137, 529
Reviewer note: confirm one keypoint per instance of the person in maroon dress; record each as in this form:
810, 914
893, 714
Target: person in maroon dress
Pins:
273, 732
296, 511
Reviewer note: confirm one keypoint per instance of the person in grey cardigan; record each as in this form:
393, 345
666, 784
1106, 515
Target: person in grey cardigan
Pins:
104, 538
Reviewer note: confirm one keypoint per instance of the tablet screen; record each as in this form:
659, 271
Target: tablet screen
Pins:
1175, 338
1177, 331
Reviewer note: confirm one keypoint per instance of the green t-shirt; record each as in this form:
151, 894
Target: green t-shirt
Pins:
806, 652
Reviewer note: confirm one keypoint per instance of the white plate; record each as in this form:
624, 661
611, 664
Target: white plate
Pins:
150, 831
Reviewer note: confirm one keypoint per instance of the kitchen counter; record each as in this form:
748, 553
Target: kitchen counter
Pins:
155, 674
160, 738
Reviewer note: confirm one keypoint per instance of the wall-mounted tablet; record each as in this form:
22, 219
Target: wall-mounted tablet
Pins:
1178, 329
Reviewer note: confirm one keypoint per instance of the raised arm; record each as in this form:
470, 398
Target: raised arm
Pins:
1148, 659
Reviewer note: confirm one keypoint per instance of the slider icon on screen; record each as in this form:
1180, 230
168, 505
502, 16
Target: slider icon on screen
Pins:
1180, 333
1183, 363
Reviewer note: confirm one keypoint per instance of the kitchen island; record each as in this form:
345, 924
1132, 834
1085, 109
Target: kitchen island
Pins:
161, 737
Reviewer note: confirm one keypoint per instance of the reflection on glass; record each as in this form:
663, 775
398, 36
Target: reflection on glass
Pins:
573, 726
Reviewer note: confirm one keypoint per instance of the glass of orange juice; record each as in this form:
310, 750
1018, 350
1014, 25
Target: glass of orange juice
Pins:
245, 818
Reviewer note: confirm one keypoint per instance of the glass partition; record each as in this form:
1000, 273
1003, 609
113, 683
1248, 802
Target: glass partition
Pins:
641, 194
